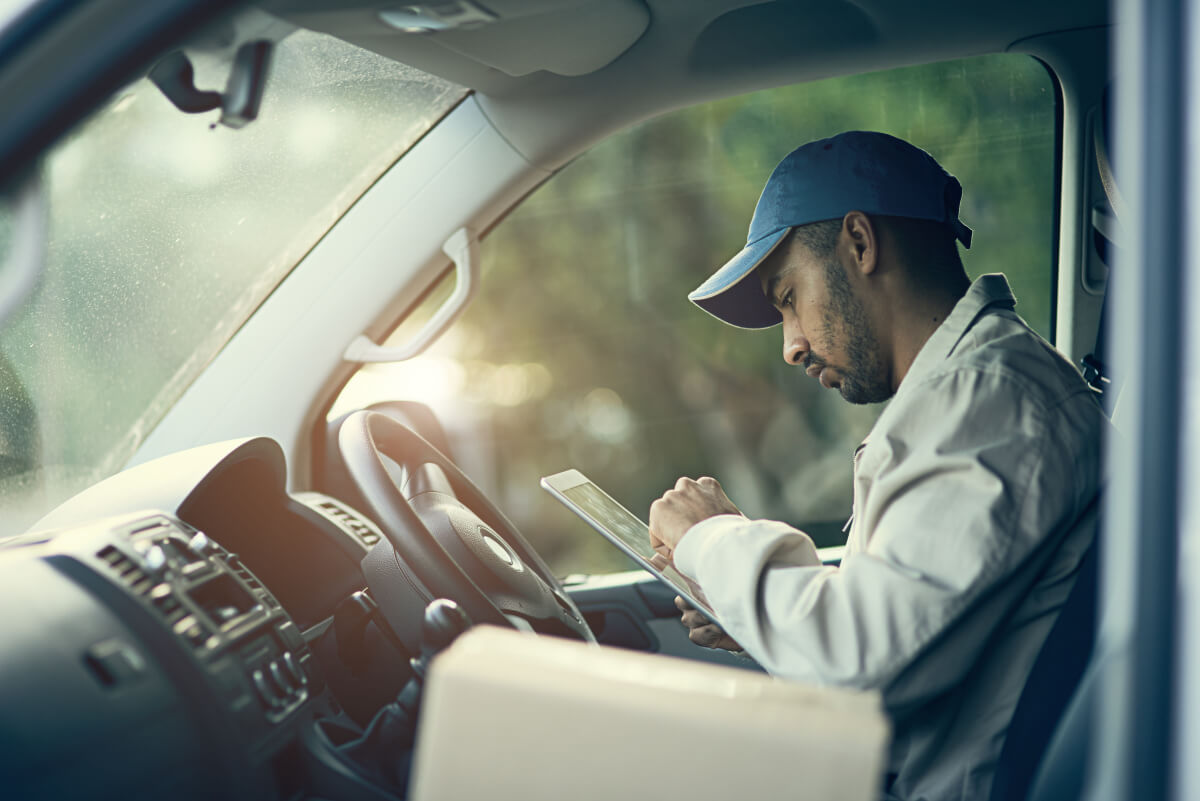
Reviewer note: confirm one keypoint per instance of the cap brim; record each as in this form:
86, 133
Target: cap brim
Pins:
734, 295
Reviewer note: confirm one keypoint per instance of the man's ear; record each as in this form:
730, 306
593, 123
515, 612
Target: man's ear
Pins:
861, 240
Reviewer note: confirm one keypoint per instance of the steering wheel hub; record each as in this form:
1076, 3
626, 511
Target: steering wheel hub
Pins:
500, 549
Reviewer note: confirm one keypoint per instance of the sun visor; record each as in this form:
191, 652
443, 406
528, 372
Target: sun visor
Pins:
575, 40
460, 38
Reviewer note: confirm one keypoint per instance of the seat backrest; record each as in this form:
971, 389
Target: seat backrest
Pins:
1051, 724
1064, 765
1052, 682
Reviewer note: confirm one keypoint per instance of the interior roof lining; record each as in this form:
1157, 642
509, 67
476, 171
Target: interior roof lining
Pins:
696, 50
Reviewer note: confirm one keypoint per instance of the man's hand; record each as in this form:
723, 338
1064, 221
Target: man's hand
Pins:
683, 507
703, 631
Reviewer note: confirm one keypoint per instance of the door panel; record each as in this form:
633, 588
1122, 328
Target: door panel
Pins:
635, 610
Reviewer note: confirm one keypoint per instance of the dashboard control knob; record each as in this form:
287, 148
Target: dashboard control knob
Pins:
155, 559
200, 544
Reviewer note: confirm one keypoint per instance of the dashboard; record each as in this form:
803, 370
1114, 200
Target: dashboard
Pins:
183, 630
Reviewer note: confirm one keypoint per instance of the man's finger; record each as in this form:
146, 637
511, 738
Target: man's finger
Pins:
708, 636
660, 561
682, 605
655, 510
694, 619
697, 593
713, 637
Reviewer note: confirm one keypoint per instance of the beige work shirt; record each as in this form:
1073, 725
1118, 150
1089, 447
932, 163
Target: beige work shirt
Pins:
972, 510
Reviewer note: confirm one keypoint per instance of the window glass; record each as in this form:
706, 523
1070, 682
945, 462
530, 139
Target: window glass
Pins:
582, 351
166, 232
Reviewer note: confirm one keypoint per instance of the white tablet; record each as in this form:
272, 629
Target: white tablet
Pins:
620, 526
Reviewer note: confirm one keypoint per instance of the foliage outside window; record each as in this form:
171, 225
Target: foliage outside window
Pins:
582, 350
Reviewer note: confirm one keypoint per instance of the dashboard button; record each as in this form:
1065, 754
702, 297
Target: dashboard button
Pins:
200, 544
282, 681
293, 667
193, 568
188, 626
292, 638
155, 559
114, 662
266, 692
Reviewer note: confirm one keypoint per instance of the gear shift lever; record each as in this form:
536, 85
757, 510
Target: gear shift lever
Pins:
385, 748
444, 620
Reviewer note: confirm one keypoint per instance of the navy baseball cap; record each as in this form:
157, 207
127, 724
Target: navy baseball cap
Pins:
858, 170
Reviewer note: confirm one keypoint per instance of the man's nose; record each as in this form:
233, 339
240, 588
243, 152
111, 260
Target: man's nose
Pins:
795, 346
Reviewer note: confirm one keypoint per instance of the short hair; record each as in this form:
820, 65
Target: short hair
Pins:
820, 238
927, 246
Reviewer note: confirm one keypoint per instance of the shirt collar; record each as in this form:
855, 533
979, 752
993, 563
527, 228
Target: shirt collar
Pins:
986, 292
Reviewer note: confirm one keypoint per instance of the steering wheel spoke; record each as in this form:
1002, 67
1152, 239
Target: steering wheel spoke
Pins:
428, 477
455, 540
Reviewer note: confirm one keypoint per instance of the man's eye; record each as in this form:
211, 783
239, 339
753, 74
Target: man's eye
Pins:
785, 301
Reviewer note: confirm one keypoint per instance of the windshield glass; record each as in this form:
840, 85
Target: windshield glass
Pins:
10, 10
166, 232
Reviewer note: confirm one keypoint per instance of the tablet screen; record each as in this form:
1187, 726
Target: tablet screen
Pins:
614, 517
619, 525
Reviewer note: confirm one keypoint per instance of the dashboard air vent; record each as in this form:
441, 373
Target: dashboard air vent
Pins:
126, 570
129, 573
253, 583
167, 605
344, 517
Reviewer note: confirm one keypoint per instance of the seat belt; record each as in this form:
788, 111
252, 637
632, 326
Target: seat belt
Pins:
1106, 238
1094, 366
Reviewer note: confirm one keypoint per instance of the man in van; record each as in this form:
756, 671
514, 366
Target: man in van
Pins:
973, 494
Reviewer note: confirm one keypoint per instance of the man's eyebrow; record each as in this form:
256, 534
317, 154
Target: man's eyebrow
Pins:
772, 285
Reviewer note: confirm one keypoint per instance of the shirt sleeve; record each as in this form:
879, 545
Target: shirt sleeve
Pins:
961, 501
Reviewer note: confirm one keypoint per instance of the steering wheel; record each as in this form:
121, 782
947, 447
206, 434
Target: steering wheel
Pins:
448, 534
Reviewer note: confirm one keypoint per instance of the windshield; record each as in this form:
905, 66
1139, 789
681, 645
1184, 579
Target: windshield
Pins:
10, 10
166, 232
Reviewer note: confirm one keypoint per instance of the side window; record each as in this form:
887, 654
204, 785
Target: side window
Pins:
582, 350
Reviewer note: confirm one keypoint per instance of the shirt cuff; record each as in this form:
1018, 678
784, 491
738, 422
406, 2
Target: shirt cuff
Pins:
687, 552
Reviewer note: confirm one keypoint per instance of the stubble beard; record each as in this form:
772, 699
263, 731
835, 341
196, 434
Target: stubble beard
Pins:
864, 377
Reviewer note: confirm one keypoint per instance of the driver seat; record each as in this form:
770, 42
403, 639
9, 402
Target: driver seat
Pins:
1052, 682
1046, 749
